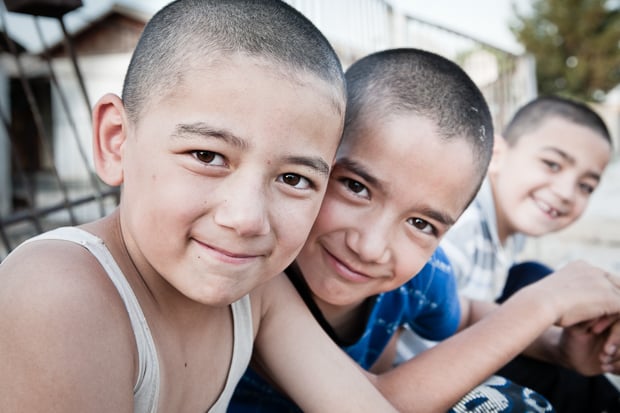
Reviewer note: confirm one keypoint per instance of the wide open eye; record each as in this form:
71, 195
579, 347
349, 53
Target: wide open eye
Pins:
209, 157
295, 180
356, 187
421, 225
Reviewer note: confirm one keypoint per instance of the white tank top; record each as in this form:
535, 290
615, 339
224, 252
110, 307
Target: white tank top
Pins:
146, 389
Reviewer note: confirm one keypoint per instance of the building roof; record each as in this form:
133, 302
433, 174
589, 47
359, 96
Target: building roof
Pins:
36, 34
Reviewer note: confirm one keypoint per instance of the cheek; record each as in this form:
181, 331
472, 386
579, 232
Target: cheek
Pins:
411, 261
293, 227
579, 207
332, 215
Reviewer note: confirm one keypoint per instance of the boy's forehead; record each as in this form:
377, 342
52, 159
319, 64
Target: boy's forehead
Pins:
571, 141
263, 66
216, 65
563, 132
401, 151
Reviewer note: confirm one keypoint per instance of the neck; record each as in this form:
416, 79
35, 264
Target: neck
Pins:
347, 321
501, 223
341, 322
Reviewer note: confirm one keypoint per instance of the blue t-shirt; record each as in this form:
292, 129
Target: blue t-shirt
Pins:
428, 303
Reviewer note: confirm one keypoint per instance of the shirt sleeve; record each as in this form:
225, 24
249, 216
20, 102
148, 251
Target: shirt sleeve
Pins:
460, 244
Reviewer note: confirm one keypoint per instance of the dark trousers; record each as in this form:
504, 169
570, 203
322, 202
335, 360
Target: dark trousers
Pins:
567, 390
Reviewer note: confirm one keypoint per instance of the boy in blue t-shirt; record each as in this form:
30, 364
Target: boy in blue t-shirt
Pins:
417, 141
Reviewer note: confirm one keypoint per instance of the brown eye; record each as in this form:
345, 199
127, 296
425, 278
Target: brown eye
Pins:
205, 156
421, 225
291, 179
209, 157
355, 186
296, 181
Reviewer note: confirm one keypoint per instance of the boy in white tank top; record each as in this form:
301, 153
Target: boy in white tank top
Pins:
222, 141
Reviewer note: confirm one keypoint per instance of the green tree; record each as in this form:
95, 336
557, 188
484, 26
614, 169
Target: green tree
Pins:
576, 44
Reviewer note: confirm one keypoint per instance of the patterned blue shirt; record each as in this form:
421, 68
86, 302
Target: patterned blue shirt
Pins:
428, 303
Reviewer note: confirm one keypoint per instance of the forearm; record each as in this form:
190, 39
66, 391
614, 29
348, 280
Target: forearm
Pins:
304, 362
544, 347
436, 379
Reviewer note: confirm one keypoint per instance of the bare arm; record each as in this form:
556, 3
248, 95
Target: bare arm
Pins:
588, 347
61, 347
436, 379
294, 351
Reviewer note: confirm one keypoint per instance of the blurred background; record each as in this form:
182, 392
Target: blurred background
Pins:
57, 57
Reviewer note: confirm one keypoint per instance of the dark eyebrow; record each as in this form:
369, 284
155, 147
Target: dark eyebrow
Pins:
315, 162
560, 152
439, 216
360, 170
202, 129
594, 175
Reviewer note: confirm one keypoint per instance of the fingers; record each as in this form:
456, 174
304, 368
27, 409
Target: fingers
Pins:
601, 324
613, 278
583, 292
610, 357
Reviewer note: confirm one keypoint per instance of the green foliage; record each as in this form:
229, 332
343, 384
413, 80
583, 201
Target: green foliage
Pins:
576, 44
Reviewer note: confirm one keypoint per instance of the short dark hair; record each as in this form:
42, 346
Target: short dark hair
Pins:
412, 80
185, 31
530, 116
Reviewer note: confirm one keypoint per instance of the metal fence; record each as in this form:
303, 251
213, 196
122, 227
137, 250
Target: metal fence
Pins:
35, 193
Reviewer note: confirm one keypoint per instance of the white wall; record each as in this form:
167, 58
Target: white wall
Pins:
102, 74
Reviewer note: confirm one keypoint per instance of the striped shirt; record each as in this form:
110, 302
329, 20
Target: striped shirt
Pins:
480, 262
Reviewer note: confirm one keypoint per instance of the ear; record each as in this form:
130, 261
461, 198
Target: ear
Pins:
500, 146
110, 128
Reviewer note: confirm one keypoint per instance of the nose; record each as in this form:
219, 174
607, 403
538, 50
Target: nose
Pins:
370, 241
565, 187
243, 208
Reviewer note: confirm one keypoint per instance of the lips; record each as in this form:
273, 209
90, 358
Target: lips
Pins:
548, 209
226, 255
344, 270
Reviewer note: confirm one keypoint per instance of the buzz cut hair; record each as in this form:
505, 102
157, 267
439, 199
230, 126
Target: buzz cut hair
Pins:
188, 31
408, 80
533, 114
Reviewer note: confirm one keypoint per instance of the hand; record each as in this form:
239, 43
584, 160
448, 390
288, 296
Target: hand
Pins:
592, 347
580, 292
610, 357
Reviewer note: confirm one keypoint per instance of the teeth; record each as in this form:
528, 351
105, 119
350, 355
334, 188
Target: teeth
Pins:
554, 213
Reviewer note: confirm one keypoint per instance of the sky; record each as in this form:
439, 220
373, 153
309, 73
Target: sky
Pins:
486, 20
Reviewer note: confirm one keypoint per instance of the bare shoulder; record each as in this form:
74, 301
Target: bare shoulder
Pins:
276, 292
65, 332
275, 304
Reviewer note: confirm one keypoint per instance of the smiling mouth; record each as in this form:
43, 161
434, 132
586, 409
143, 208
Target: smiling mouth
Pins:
226, 255
548, 209
344, 271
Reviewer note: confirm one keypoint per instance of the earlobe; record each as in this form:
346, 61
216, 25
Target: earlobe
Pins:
499, 149
110, 130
